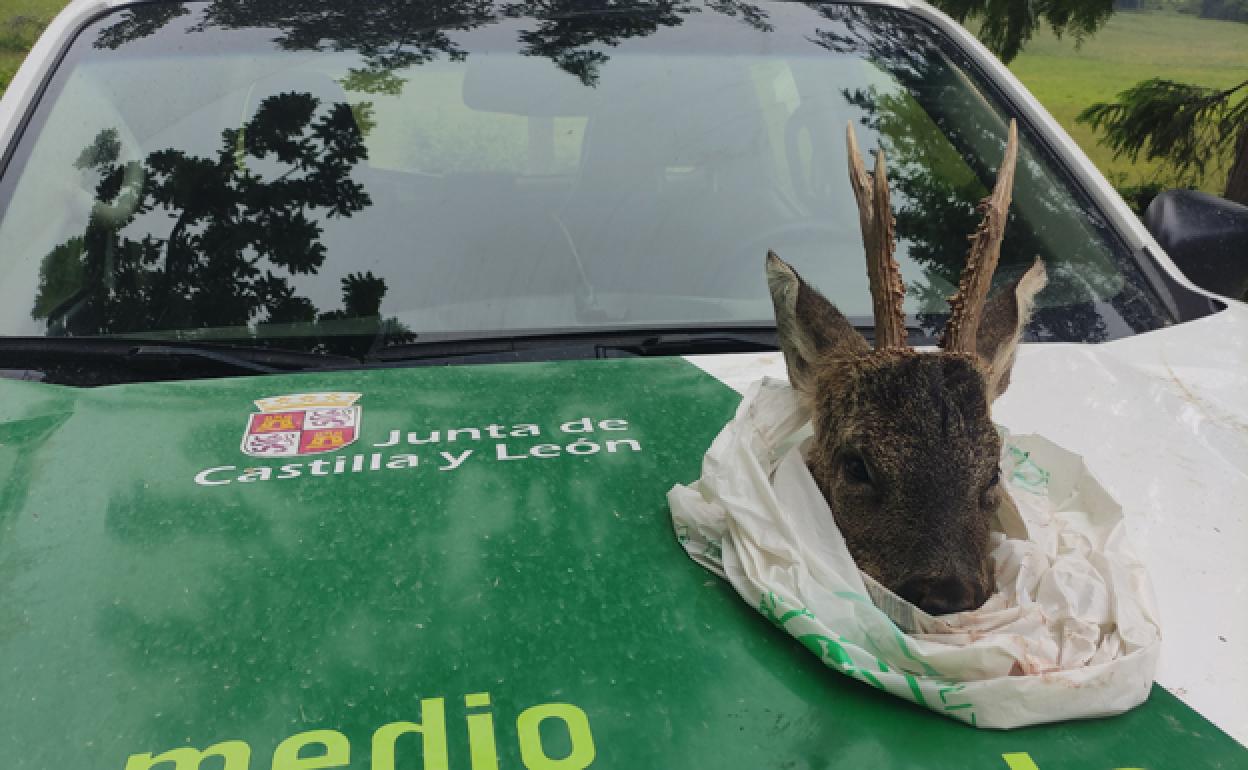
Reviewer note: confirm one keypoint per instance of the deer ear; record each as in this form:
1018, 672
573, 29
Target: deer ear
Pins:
1005, 316
807, 324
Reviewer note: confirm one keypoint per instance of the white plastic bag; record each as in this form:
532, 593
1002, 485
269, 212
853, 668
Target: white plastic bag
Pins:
1071, 632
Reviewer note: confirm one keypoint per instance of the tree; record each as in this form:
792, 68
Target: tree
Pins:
393, 37
1185, 126
177, 241
1230, 10
574, 39
1005, 26
936, 181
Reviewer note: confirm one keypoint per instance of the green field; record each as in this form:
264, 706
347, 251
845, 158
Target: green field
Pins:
1064, 76
1131, 47
20, 23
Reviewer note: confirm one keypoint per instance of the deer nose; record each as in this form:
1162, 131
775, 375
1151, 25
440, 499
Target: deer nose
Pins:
942, 596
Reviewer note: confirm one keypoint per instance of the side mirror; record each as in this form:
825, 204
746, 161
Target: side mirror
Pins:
1206, 236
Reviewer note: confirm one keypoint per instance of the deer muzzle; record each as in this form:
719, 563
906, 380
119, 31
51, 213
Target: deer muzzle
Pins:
943, 595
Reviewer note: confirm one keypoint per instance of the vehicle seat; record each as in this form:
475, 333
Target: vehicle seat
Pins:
673, 180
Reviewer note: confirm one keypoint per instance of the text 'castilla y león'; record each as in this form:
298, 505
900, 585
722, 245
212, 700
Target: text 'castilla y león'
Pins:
579, 438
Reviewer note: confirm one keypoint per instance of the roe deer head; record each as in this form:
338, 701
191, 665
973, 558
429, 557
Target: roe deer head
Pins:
904, 449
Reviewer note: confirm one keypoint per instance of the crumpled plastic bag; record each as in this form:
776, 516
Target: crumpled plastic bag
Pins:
1071, 631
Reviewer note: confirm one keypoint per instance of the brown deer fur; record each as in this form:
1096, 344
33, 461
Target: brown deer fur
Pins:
904, 447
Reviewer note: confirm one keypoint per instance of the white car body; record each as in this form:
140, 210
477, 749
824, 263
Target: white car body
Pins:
1161, 418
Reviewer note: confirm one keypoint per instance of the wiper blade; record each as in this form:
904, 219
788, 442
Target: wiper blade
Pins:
255, 361
97, 360
708, 342
580, 344
601, 342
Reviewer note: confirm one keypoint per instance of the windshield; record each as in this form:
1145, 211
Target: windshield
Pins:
327, 179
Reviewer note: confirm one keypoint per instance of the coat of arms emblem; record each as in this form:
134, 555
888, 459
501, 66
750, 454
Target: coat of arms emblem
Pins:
302, 424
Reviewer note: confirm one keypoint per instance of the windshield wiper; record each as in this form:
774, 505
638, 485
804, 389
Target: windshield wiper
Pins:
426, 348
241, 360
562, 345
103, 361
619, 342
707, 342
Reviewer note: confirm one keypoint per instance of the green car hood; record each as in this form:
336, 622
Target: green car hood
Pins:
465, 567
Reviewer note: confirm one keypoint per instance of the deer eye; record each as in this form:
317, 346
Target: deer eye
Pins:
856, 469
996, 478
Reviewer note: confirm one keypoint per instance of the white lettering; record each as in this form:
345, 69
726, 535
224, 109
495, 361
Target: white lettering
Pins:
256, 474
454, 462
394, 439
202, 479
582, 425
583, 446
453, 435
500, 452
398, 462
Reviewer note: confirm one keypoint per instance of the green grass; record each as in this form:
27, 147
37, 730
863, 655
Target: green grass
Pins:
21, 21
1065, 77
1131, 47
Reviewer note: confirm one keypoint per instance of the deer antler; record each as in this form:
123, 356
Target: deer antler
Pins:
875, 215
967, 304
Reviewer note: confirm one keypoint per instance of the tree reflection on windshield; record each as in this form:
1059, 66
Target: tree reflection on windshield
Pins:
575, 40
574, 34
132, 26
725, 146
239, 226
936, 135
